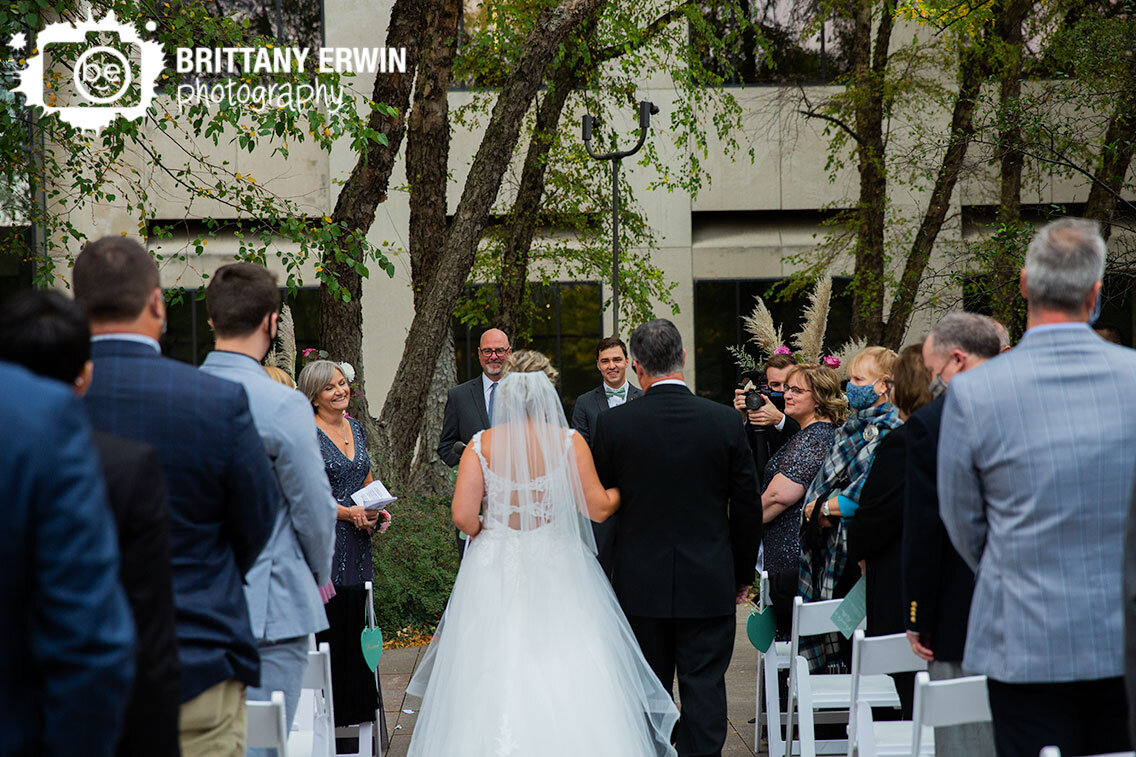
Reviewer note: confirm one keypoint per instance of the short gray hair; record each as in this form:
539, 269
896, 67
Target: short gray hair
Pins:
315, 376
1063, 262
657, 347
972, 333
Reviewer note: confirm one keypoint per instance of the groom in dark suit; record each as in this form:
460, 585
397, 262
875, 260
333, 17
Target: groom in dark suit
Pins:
616, 390
469, 406
687, 535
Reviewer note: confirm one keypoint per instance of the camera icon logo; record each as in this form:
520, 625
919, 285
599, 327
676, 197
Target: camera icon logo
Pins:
106, 83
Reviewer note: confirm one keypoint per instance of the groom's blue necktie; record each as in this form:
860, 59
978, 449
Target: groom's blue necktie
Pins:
492, 396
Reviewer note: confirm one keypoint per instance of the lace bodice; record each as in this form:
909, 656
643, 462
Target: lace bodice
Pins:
528, 504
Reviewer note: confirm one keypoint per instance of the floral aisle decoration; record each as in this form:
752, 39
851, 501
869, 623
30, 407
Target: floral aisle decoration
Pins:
808, 343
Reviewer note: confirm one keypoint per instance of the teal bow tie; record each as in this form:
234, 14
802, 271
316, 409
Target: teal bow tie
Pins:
621, 392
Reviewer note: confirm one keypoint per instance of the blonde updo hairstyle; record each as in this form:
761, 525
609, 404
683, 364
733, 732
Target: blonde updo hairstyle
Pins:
882, 364
530, 361
824, 384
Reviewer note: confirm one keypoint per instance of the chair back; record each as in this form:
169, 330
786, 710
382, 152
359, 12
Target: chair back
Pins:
877, 655
945, 703
266, 725
317, 676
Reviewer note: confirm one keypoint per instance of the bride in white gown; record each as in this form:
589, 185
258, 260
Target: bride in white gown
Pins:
534, 657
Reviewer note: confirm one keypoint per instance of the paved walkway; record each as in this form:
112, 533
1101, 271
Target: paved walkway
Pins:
398, 665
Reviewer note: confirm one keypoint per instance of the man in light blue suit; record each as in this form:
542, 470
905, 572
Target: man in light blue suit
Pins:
1035, 476
283, 586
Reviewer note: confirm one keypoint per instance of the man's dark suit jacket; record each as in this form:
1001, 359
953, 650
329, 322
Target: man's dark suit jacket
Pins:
876, 533
690, 514
465, 415
590, 405
136, 492
65, 627
766, 441
222, 494
937, 583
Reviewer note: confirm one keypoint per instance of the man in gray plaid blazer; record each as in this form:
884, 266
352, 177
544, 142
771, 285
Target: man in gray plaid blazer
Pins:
1035, 477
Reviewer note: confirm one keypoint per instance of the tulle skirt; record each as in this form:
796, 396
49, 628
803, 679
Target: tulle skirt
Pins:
534, 657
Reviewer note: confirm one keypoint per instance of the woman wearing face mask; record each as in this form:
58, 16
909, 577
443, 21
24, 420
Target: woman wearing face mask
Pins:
834, 494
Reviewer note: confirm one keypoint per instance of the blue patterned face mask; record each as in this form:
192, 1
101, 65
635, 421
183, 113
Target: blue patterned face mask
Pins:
860, 397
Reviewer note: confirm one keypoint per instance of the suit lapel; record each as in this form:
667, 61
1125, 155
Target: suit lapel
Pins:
478, 393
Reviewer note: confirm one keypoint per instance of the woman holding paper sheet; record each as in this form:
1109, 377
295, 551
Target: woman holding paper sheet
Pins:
343, 443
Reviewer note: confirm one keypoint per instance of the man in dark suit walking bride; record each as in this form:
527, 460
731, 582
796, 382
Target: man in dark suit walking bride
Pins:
688, 532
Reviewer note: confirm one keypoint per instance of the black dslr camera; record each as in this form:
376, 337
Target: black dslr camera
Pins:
756, 387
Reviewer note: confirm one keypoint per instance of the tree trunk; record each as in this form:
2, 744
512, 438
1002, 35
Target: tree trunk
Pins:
1006, 262
341, 319
513, 282
972, 73
869, 75
403, 411
1115, 157
430, 474
427, 170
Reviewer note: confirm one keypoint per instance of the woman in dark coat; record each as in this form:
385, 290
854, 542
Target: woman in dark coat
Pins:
875, 533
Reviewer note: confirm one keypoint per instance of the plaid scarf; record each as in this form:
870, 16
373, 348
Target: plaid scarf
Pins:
822, 564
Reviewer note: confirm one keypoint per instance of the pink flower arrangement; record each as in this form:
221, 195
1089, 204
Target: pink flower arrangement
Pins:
308, 351
831, 361
782, 350
386, 521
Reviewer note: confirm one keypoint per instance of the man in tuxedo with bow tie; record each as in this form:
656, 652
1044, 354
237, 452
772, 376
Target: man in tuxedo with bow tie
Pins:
469, 406
615, 390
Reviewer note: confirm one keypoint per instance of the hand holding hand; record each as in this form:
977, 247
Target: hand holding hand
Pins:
358, 515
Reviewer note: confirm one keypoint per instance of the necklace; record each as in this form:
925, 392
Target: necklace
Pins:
347, 440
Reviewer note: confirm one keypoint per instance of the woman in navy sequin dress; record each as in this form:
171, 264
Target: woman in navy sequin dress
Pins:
343, 444
814, 400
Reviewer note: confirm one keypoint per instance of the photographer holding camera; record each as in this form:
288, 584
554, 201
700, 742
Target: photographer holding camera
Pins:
763, 409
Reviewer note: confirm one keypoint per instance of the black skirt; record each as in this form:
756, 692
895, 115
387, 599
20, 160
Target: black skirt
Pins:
353, 683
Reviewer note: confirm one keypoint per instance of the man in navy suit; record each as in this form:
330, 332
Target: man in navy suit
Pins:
937, 583
67, 635
615, 390
47, 333
223, 496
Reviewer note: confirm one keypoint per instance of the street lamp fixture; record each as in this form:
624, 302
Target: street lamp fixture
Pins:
646, 110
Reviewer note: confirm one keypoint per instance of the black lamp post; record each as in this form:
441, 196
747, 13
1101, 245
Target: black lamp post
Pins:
646, 110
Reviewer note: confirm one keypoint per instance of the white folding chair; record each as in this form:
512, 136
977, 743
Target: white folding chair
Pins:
372, 735
314, 725
266, 727
1055, 751
824, 692
778, 657
945, 703
879, 655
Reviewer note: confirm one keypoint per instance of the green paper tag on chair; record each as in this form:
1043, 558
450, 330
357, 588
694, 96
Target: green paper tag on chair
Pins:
760, 628
372, 641
850, 613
